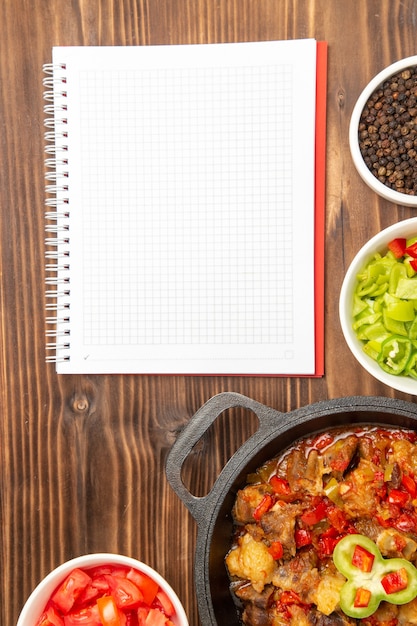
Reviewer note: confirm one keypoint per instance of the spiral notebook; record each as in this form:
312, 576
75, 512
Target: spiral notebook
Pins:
185, 208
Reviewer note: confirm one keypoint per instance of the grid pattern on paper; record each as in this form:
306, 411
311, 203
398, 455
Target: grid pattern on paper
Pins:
187, 206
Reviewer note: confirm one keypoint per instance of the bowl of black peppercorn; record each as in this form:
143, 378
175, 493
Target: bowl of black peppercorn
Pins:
383, 133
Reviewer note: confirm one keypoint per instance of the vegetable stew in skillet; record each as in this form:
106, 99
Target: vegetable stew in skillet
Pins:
326, 532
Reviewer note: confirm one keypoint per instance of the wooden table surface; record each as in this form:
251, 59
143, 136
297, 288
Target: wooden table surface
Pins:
82, 457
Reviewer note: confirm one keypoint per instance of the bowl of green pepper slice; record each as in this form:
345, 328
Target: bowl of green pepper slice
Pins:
378, 306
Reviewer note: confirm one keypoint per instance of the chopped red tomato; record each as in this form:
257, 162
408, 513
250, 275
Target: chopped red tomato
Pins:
98, 587
395, 581
108, 611
50, 618
131, 618
156, 618
108, 596
315, 515
100, 570
88, 616
276, 550
263, 507
165, 603
146, 584
362, 598
153, 617
398, 247
142, 615
125, 593
67, 593
362, 559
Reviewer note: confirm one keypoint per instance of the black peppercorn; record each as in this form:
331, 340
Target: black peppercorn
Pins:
388, 132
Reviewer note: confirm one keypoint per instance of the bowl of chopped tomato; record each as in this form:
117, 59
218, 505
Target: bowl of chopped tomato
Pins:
378, 306
103, 590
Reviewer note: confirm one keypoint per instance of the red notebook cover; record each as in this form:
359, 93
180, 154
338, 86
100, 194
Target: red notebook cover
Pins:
320, 199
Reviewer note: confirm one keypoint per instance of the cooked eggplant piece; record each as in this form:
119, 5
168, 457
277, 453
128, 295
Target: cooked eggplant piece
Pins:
247, 593
278, 524
246, 502
338, 457
304, 473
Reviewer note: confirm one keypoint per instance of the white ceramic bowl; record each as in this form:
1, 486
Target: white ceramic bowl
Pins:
36, 602
363, 170
378, 243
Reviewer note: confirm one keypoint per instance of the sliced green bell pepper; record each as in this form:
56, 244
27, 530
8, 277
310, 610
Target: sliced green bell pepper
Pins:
411, 367
395, 354
371, 579
385, 308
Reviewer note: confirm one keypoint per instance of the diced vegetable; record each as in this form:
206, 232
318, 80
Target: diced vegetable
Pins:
332, 490
276, 550
362, 558
51, 618
303, 537
263, 507
108, 596
362, 598
395, 496
384, 308
409, 484
146, 584
88, 615
315, 515
280, 485
411, 250
125, 593
165, 603
398, 246
108, 611
395, 581
68, 592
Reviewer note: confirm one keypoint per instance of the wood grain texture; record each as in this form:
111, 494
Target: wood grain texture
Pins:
82, 457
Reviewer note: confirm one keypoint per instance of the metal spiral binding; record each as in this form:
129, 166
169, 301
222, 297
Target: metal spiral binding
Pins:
57, 227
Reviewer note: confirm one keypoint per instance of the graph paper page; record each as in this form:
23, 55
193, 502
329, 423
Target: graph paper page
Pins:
191, 202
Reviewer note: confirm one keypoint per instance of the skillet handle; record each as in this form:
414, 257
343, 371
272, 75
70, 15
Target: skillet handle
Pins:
192, 433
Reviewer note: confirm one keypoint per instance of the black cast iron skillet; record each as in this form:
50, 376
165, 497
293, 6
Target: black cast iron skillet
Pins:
275, 433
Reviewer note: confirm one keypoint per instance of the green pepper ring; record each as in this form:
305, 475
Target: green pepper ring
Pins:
342, 557
389, 364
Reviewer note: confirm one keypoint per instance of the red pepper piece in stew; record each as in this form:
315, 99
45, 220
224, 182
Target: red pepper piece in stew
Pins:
363, 559
315, 515
395, 581
263, 507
